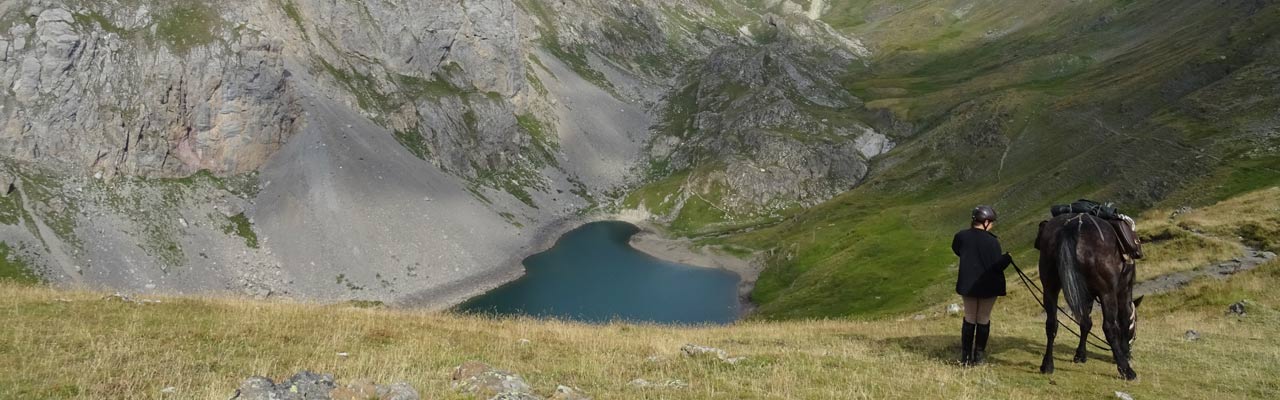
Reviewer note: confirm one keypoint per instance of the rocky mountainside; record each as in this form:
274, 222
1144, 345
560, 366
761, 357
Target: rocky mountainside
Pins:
415, 151
395, 151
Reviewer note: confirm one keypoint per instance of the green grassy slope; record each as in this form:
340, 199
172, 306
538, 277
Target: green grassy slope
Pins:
1021, 106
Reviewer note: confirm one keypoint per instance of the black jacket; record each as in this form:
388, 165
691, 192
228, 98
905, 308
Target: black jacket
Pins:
982, 263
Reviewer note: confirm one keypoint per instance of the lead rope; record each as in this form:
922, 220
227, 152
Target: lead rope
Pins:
1028, 283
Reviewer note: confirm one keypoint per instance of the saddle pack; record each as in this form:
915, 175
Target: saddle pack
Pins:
1101, 210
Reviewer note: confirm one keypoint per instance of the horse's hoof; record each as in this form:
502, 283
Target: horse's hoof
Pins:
1080, 359
1046, 369
1129, 375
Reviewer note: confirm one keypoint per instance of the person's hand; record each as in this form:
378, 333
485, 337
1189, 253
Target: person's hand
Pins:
1006, 259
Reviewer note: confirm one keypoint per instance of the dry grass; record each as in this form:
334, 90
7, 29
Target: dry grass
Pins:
93, 348
74, 344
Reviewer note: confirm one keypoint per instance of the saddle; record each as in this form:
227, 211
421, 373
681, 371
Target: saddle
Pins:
1107, 212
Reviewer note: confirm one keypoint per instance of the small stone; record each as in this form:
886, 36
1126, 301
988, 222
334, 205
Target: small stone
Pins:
523, 342
169, 390
918, 317
183, 222
1123, 396
569, 393
1192, 335
1237, 308
693, 350
953, 309
674, 384
344, 354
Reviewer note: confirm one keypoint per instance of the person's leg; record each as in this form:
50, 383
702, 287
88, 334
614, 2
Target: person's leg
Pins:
983, 331
984, 310
968, 329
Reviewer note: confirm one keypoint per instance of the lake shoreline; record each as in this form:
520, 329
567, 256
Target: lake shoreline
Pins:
452, 294
652, 240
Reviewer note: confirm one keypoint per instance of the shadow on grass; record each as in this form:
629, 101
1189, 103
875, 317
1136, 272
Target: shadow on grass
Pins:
947, 349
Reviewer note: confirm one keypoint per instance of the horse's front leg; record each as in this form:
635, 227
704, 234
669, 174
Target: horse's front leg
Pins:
1086, 323
1050, 324
1112, 325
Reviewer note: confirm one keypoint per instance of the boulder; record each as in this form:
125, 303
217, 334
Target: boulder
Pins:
397, 391
667, 384
693, 350
482, 380
255, 388
307, 385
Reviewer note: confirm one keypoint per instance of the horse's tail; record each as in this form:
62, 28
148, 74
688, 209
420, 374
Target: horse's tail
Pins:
1074, 288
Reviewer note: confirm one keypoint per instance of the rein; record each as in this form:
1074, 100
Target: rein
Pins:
1028, 283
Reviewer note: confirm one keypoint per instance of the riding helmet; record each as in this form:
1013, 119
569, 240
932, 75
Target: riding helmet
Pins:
984, 213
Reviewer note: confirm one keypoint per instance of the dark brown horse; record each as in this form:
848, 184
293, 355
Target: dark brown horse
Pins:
1088, 259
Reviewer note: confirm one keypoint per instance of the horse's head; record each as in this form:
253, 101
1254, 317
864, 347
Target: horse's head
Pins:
1127, 231
1133, 318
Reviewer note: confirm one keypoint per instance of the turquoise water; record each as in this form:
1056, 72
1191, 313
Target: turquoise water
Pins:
592, 274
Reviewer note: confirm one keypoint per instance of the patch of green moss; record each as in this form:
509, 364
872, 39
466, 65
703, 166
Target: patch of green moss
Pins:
240, 226
92, 18
11, 210
14, 268
414, 142
364, 87
187, 26
46, 192
291, 10
544, 140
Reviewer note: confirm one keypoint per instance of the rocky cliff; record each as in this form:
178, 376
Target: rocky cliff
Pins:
382, 150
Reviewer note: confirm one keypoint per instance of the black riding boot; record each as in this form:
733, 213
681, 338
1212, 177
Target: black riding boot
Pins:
980, 343
966, 343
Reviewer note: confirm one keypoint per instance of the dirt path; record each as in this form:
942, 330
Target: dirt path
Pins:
1251, 259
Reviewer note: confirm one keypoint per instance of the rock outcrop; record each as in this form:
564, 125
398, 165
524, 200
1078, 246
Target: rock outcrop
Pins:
307, 385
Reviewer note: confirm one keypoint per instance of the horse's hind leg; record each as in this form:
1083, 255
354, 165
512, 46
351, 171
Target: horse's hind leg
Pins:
1113, 327
1051, 289
1086, 323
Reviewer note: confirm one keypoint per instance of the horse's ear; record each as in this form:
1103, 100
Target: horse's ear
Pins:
1138, 301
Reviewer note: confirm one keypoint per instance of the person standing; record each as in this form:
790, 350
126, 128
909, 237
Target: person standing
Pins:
981, 281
